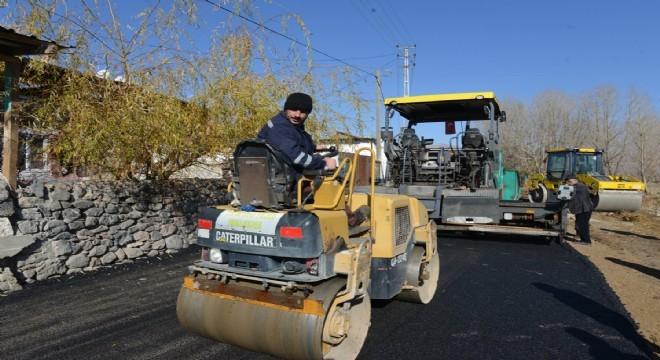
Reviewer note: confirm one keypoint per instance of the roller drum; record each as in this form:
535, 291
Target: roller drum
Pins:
617, 200
260, 326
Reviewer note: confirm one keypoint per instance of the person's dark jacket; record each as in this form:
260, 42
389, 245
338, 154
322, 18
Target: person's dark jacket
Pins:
581, 201
293, 141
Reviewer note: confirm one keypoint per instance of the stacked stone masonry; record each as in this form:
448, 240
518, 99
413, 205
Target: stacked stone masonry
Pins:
79, 226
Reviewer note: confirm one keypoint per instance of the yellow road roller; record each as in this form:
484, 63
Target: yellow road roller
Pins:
608, 192
281, 272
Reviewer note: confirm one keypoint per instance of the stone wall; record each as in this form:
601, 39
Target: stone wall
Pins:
78, 226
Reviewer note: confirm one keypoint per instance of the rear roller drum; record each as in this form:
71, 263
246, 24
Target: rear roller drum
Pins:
422, 276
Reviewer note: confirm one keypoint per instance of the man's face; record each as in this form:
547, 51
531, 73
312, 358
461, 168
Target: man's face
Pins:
297, 117
571, 181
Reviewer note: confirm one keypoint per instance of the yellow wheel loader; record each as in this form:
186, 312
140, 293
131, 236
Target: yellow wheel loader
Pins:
281, 271
608, 192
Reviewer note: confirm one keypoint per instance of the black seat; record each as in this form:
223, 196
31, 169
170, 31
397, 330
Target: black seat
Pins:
473, 139
410, 139
263, 176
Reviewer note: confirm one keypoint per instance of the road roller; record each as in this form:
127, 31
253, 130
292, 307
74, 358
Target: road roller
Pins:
608, 192
281, 271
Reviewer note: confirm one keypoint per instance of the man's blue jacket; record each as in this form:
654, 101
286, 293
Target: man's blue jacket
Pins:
293, 141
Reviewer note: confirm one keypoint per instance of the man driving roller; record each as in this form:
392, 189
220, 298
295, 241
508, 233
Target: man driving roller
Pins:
286, 132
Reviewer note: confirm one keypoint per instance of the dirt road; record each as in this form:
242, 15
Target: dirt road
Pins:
626, 250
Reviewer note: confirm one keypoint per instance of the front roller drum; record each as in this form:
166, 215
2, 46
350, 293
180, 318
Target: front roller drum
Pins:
617, 200
280, 330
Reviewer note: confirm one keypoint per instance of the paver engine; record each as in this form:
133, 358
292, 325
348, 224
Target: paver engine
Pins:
412, 160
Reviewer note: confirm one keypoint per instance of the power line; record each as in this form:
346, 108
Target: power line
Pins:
380, 21
399, 22
346, 59
384, 23
370, 24
250, 21
390, 29
389, 21
287, 37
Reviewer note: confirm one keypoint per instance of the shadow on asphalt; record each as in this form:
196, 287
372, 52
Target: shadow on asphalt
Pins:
599, 349
602, 314
504, 238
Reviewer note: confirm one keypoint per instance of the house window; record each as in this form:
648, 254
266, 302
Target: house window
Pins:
32, 153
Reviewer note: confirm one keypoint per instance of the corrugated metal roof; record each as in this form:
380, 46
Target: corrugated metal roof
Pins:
15, 44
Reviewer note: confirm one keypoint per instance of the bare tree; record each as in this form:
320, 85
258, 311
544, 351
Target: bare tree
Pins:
518, 138
601, 110
138, 98
530, 132
643, 132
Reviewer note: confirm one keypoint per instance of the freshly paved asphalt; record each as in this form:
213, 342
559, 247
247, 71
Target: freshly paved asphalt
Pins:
498, 298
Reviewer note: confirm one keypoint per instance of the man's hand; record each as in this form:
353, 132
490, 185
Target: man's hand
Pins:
330, 163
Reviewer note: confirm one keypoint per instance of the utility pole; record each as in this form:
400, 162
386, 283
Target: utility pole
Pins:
406, 67
378, 105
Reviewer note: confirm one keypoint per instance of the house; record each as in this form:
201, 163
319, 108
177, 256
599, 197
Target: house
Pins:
13, 45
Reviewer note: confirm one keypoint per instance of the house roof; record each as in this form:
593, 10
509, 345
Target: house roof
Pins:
15, 44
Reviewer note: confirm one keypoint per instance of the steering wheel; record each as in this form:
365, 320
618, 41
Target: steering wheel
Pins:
325, 153
329, 152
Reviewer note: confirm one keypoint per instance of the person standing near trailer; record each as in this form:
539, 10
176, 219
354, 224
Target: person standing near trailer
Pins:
581, 206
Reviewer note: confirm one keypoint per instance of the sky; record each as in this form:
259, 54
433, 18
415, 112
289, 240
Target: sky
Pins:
515, 48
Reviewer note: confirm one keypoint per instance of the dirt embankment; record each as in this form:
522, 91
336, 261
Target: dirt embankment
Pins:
626, 249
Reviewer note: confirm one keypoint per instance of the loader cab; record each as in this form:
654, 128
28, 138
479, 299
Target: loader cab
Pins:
562, 163
588, 162
558, 165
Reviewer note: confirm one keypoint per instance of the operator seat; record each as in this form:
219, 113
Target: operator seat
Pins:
472, 156
263, 176
409, 138
473, 139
